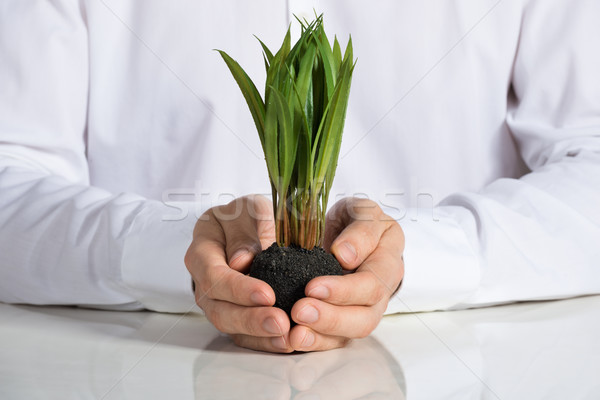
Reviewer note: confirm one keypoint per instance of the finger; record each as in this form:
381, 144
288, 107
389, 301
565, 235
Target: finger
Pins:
206, 261
346, 211
279, 344
363, 224
386, 262
248, 228
336, 220
303, 338
361, 288
375, 280
347, 321
255, 321
216, 280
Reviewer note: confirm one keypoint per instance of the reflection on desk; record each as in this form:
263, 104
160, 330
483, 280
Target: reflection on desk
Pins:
542, 350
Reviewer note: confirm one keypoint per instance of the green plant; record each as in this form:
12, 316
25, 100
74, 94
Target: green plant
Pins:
300, 124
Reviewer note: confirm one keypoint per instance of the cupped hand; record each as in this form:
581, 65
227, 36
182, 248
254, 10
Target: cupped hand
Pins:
340, 308
226, 239
336, 309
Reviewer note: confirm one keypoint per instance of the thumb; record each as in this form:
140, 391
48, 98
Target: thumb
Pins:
356, 229
248, 228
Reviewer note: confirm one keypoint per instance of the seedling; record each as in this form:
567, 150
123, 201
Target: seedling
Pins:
300, 124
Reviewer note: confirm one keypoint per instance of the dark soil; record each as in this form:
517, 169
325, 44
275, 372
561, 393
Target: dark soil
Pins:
289, 269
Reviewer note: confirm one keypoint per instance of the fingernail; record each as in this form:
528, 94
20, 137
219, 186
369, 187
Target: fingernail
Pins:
239, 253
308, 315
260, 299
270, 325
308, 340
347, 253
319, 292
279, 343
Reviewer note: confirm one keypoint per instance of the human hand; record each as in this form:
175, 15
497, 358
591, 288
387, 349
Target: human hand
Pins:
339, 308
226, 239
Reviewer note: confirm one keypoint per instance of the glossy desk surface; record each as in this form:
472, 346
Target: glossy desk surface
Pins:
540, 350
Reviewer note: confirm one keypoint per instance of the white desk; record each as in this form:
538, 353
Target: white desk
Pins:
544, 350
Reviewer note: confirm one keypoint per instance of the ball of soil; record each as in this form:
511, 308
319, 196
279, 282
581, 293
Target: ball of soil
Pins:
289, 269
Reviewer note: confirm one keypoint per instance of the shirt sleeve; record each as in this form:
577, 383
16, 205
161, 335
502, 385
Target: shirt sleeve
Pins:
536, 237
63, 241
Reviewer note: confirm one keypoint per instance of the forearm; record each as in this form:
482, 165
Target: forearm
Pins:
62, 243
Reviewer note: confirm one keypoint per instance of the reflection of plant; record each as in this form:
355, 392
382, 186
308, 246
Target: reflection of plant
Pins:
300, 126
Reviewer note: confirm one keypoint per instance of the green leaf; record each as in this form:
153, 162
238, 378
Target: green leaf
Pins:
348, 54
277, 69
329, 67
267, 55
334, 125
337, 53
251, 94
266, 51
271, 147
300, 124
284, 50
303, 82
288, 139
303, 114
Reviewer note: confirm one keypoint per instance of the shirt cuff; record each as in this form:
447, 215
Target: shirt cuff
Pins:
152, 264
441, 269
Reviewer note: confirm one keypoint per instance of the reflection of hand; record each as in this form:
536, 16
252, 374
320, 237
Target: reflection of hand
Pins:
358, 371
362, 370
339, 308
226, 238
229, 372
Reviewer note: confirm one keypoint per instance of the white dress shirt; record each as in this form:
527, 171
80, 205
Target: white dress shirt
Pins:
119, 126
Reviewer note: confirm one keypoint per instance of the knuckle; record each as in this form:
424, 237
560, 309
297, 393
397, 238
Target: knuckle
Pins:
237, 288
214, 275
204, 287
363, 333
344, 294
191, 257
366, 329
377, 294
365, 209
229, 211
396, 229
206, 216
199, 297
333, 324
371, 237
398, 273
248, 326
200, 304
187, 259
216, 319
